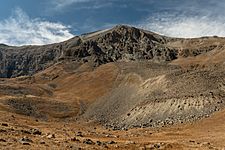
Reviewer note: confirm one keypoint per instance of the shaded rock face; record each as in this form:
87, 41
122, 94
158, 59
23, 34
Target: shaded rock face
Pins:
17, 61
122, 43
119, 43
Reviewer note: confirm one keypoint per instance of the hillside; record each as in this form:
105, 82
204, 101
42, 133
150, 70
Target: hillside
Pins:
119, 43
116, 80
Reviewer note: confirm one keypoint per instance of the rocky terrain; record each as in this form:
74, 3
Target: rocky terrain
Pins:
119, 43
120, 88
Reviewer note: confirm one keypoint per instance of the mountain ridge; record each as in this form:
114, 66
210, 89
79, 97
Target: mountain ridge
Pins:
150, 88
118, 43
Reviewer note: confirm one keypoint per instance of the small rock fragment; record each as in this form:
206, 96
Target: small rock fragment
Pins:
88, 141
2, 130
2, 140
191, 141
42, 142
5, 124
51, 136
111, 142
98, 143
25, 141
75, 139
79, 134
36, 132
25, 131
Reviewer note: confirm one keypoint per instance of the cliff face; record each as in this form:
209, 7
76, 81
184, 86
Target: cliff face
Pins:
119, 43
17, 61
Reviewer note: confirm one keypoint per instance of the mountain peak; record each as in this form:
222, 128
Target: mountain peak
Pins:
120, 43
119, 26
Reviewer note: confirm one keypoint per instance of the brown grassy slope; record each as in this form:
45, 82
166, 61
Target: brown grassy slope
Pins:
204, 134
126, 94
213, 55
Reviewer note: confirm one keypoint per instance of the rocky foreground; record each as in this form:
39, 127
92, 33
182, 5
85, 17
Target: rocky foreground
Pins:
19, 132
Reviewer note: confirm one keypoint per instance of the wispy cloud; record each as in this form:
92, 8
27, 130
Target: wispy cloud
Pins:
59, 4
187, 18
20, 29
185, 26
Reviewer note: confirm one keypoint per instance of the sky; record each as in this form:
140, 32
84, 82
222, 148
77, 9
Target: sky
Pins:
37, 22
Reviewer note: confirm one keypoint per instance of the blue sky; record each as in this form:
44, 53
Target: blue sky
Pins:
24, 22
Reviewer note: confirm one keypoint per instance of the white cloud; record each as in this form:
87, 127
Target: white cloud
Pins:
185, 26
59, 4
20, 29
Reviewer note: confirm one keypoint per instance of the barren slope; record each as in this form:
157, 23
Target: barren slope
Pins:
116, 80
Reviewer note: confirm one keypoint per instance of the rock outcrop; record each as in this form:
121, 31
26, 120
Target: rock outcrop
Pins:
119, 43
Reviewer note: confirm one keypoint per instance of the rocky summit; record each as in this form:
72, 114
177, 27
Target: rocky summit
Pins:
118, 88
121, 43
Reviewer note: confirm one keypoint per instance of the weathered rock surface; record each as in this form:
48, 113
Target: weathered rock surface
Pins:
119, 43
